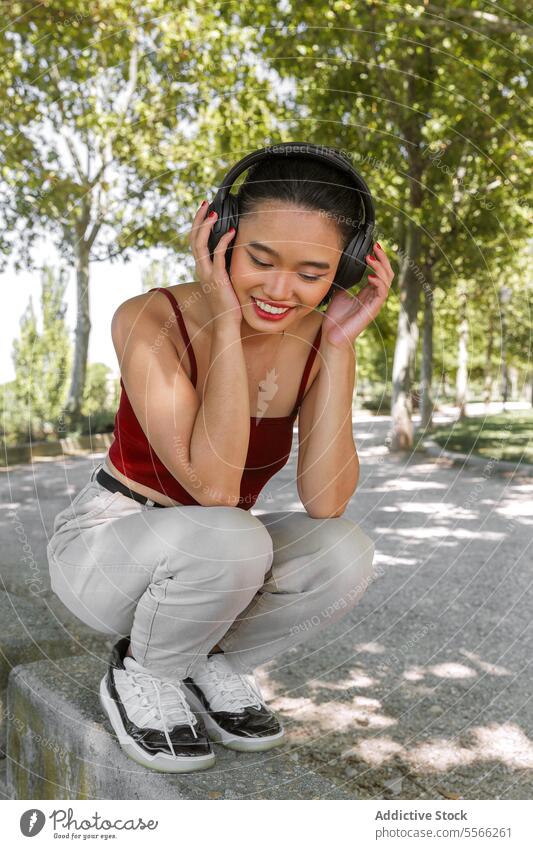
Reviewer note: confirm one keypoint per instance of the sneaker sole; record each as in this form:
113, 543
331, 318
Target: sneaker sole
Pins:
159, 762
225, 738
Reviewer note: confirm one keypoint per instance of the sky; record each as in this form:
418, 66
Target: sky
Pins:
111, 284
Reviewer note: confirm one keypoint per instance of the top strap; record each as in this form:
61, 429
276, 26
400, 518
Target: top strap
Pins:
181, 321
192, 359
307, 369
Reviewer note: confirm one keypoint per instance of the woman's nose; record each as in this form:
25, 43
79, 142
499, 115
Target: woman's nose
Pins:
280, 288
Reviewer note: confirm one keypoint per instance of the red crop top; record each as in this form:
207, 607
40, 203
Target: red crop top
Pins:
269, 447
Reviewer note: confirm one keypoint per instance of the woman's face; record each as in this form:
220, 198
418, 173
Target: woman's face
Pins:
284, 255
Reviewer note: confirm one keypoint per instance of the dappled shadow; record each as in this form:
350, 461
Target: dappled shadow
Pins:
423, 691
457, 727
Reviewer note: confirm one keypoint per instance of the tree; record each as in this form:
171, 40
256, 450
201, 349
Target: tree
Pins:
42, 360
55, 349
158, 273
103, 130
462, 352
426, 376
26, 359
97, 395
391, 86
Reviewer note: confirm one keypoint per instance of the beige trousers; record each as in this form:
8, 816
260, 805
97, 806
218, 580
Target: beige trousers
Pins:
181, 579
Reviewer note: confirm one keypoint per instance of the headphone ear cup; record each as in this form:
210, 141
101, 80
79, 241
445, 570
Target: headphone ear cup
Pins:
351, 268
352, 264
233, 221
228, 216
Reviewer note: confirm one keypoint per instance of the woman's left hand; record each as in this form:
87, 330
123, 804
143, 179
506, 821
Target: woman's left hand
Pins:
347, 315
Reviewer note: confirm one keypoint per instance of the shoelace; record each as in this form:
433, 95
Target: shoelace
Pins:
144, 684
231, 689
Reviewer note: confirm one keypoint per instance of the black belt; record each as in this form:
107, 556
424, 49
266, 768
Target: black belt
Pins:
113, 485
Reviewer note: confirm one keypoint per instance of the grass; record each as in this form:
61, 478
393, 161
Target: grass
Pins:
505, 436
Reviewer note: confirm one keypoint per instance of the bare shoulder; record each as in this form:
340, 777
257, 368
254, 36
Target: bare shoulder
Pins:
155, 303
154, 311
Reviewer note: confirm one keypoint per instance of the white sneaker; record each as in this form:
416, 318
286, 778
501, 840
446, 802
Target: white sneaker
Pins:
151, 716
231, 706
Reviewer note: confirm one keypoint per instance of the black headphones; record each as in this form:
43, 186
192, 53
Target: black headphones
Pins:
352, 263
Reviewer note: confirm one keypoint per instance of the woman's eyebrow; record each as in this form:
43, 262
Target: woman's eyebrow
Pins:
260, 246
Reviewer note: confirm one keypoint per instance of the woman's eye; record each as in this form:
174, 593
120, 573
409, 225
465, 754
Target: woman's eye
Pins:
258, 262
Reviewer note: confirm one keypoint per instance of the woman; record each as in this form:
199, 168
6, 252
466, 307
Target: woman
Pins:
204, 591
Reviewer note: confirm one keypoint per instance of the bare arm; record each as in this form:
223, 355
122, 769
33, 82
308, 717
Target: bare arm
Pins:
328, 465
219, 441
202, 442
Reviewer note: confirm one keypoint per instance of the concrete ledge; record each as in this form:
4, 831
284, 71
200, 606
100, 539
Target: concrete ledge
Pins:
30, 632
62, 747
5, 792
433, 449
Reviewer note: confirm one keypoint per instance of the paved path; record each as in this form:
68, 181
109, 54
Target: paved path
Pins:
424, 692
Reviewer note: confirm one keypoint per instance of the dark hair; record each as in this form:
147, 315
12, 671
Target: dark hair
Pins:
304, 182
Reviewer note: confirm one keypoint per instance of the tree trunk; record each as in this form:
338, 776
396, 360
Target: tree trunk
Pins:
426, 377
81, 337
505, 369
488, 365
400, 436
513, 383
462, 353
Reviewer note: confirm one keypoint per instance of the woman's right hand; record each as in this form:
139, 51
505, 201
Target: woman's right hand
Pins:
214, 279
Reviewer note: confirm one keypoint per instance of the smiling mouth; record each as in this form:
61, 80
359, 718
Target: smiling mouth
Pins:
283, 307
272, 303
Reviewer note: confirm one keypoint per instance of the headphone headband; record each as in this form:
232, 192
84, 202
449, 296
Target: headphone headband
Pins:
352, 264
328, 155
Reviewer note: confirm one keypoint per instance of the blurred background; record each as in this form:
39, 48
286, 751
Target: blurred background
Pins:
118, 118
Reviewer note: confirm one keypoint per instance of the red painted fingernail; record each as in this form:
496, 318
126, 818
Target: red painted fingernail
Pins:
231, 230
204, 203
211, 214
378, 246
372, 257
